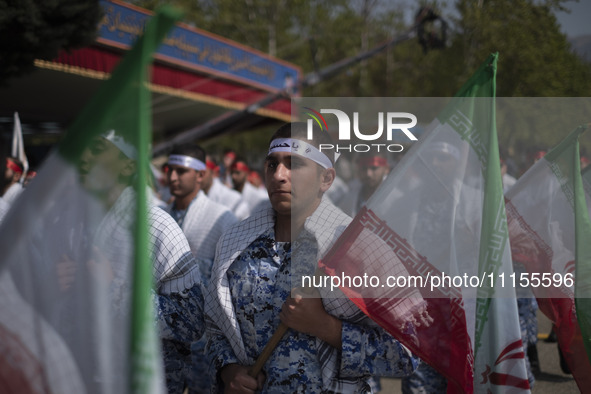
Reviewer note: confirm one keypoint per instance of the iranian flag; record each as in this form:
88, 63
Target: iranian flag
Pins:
76, 312
441, 213
550, 232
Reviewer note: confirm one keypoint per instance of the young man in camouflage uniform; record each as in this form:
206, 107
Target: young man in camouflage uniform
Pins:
331, 346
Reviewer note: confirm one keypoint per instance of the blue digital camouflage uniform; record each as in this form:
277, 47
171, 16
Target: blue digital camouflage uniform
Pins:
527, 307
425, 380
203, 222
201, 378
528, 322
180, 320
260, 281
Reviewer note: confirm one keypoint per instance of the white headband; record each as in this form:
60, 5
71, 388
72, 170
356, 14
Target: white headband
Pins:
300, 148
186, 161
128, 149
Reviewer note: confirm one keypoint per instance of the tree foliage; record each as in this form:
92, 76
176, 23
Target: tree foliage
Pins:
32, 30
535, 58
310, 33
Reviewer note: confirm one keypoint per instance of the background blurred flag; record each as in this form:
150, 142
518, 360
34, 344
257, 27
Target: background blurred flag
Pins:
550, 232
18, 145
441, 212
76, 314
583, 257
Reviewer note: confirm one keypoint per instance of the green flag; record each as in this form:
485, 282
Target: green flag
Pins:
75, 269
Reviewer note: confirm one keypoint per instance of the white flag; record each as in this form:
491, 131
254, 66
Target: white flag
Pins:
18, 145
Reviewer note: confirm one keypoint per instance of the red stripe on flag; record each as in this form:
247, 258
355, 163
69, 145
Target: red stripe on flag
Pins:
556, 303
502, 379
505, 353
444, 344
20, 370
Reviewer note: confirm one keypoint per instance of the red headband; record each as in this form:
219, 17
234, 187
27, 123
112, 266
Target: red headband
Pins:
210, 164
13, 166
373, 161
230, 154
239, 166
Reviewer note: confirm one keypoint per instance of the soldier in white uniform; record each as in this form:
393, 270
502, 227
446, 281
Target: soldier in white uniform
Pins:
203, 221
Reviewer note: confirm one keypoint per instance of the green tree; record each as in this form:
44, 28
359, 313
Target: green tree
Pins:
535, 58
32, 30
312, 34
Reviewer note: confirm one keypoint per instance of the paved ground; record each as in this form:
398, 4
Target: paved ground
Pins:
551, 380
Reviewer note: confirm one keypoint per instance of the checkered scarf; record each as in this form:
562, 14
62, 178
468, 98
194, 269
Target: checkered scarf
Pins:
175, 268
324, 226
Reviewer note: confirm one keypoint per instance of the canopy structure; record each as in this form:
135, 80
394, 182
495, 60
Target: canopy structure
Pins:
196, 76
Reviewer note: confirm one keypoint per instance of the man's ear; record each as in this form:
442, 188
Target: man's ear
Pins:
327, 178
129, 168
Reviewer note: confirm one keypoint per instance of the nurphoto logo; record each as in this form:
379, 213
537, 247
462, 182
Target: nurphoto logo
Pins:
395, 122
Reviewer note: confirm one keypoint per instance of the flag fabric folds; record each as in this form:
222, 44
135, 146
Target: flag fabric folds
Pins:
441, 213
77, 309
549, 230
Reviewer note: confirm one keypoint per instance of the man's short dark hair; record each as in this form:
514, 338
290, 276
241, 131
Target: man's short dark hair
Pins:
299, 130
212, 159
239, 159
192, 150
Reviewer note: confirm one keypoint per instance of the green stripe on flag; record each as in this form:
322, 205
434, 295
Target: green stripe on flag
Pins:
564, 162
473, 117
582, 250
494, 233
121, 86
461, 115
144, 342
561, 164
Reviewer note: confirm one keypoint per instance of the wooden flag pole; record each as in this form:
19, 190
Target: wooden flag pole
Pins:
274, 341
269, 347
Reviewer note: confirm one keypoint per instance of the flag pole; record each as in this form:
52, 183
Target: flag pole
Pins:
268, 350
274, 341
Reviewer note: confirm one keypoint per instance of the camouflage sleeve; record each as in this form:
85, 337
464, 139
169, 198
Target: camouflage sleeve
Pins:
219, 352
180, 321
371, 351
